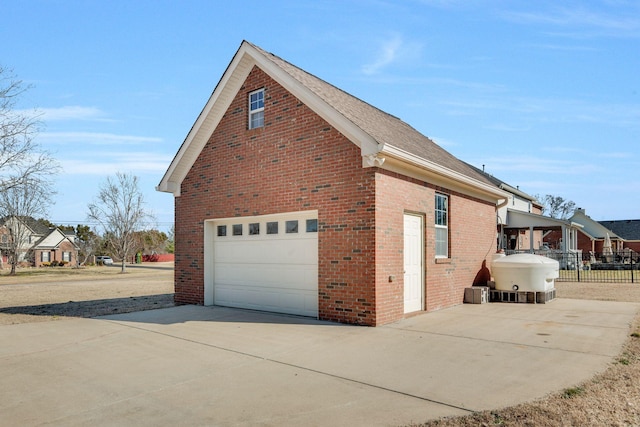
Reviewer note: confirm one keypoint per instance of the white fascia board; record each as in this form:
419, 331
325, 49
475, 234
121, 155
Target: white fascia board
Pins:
517, 192
439, 175
223, 95
205, 124
366, 143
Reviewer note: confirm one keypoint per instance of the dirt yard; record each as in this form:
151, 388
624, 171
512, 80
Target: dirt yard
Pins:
612, 398
38, 295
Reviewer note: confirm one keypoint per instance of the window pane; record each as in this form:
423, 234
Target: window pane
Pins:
254, 228
292, 226
442, 244
312, 226
257, 119
441, 222
256, 109
222, 230
237, 229
441, 210
272, 228
257, 100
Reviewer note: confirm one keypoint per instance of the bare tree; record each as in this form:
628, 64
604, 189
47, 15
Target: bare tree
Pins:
120, 211
19, 204
556, 206
21, 158
87, 242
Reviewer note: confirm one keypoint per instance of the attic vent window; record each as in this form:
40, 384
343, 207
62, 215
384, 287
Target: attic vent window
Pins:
256, 109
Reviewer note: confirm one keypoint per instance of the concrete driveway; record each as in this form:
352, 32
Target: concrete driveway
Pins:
203, 366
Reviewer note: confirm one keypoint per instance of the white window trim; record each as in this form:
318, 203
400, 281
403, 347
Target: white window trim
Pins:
256, 110
443, 227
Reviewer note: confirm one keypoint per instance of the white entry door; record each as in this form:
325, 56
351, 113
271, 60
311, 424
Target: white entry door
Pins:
413, 265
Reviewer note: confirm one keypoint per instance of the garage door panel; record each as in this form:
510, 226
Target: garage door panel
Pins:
268, 299
283, 275
276, 272
294, 251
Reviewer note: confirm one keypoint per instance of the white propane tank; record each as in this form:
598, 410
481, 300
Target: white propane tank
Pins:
525, 272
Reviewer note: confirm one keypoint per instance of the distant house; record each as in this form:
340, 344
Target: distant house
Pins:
55, 247
623, 234
520, 224
628, 230
294, 196
39, 244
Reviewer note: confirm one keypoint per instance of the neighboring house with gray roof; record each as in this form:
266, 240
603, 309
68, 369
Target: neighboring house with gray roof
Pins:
628, 230
37, 243
294, 196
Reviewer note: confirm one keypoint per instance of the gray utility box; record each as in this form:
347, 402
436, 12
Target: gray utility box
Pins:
476, 295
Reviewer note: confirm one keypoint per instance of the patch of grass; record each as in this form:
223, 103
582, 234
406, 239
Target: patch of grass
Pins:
572, 392
498, 420
635, 335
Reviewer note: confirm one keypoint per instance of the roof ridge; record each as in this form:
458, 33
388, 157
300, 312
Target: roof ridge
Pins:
385, 129
265, 52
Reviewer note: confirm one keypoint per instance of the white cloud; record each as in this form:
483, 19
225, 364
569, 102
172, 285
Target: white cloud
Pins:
549, 110
73, 112
95, 138
542, 166
581, 22
385, 56
111, 162
443, 142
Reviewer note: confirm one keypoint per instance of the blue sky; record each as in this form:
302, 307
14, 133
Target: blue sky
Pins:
544, 94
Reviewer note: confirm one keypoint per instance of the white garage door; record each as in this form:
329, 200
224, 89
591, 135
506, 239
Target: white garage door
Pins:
267, 263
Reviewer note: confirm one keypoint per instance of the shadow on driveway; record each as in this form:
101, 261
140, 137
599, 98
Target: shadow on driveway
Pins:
93, 308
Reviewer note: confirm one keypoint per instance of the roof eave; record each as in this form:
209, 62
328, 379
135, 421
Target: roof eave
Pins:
438, 174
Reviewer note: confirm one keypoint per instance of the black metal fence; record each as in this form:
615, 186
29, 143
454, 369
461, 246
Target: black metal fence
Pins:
615, 267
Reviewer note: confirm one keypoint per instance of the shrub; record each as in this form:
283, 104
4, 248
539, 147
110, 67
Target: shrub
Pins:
54, 263
45, 264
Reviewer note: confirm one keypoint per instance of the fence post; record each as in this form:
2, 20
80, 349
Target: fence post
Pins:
578, 265
631, 267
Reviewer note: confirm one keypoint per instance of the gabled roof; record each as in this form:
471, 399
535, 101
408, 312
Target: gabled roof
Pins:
35, 226
628, 229
52, 240
592, 228
384, 140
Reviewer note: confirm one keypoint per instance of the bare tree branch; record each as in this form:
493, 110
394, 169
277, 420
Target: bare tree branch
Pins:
119, 209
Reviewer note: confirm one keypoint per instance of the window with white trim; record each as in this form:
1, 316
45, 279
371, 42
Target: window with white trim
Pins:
442, 226
44, 256
256, 109
66, 256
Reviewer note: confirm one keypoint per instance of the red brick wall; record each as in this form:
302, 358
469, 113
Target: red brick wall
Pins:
296, 162
472, 225
584, 242
56, 254
299, 162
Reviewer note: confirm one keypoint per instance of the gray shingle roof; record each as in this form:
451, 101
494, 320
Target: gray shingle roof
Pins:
628, 229
383, 127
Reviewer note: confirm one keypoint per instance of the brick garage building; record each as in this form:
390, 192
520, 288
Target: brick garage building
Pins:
293, 196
